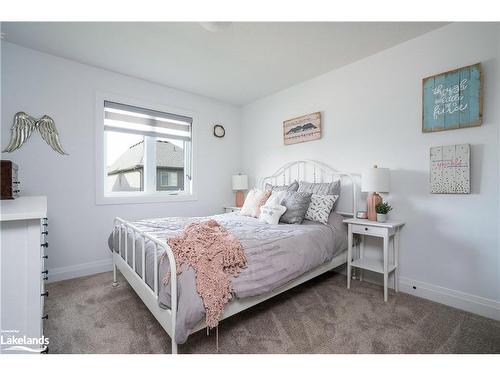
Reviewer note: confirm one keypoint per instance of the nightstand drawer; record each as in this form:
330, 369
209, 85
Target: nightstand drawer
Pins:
370, 230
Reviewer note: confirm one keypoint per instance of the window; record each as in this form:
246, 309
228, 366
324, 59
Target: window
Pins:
168, 180
146, 152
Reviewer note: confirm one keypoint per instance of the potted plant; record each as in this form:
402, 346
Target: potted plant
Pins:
382, 210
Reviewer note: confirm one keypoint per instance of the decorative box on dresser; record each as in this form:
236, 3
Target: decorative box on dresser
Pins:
24, 230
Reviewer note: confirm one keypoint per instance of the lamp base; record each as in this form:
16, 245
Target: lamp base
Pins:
240, 198
371, 202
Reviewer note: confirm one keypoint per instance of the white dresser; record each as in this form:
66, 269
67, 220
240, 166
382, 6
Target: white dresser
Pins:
24, 229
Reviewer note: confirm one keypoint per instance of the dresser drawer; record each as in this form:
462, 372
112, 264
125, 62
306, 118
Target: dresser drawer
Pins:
366, 229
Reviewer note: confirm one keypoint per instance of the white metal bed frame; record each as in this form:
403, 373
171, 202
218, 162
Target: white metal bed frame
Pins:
308, 170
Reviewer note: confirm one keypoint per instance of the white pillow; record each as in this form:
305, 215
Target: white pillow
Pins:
320, 208
254, 200
271, 214
276, 198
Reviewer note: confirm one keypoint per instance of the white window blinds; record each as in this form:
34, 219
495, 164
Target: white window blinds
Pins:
136, 120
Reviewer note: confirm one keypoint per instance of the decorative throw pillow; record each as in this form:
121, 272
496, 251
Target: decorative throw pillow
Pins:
296, 204
320, 208
321, 188
276, 198
254, 200
271, 214
292, 187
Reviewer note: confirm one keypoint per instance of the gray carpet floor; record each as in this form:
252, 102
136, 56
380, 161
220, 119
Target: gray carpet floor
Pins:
88, 315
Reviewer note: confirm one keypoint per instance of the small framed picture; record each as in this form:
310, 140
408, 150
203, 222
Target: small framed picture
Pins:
302, 129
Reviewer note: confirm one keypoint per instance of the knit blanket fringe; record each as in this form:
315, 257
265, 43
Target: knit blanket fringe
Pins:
215, 254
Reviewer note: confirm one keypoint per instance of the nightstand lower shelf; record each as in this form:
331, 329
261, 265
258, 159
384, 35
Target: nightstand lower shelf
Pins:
374, 265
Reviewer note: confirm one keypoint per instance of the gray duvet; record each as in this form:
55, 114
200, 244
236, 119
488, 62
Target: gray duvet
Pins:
276, 254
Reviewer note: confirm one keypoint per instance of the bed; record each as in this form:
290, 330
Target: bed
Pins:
279, 257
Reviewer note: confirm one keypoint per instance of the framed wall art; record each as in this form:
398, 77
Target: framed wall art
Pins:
452, 100
302, 129
450, 169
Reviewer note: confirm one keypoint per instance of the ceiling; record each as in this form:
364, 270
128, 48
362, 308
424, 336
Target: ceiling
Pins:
237, 63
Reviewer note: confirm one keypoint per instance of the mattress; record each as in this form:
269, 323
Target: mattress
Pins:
276, 254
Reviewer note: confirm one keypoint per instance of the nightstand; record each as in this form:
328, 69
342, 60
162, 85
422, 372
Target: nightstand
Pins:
228, 209
389, 232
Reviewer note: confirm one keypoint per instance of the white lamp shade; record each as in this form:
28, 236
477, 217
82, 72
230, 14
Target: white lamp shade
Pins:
376, 180
240, 182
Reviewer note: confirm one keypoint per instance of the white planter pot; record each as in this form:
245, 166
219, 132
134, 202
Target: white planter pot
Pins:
381, 218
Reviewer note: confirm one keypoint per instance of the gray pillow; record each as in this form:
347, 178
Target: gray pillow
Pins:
292, 187
321, 188
296, 204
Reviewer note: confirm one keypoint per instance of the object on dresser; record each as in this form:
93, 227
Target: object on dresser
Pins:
9, 180
382, 210
375, 180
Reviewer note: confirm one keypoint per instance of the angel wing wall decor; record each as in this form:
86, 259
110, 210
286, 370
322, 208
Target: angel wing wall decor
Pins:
25, 124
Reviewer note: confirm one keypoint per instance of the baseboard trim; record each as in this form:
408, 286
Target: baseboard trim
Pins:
468, 302
454, 298
84, 269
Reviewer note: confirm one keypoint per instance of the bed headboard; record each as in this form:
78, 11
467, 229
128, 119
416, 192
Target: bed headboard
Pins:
315, 171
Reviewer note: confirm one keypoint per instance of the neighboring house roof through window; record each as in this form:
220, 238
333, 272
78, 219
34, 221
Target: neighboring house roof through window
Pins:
168, 155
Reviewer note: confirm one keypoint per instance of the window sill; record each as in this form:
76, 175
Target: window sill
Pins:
145, 198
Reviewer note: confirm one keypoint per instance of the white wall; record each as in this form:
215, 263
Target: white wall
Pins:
371, 114
38, 84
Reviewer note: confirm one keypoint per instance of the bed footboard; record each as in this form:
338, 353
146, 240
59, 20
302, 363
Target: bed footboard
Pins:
166, 317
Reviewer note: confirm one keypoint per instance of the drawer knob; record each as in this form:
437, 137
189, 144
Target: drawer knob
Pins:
46, 244
45, 317
46, 272
366, 228
45, 294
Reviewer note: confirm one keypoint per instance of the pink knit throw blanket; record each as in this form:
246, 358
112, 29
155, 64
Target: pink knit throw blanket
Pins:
215, 254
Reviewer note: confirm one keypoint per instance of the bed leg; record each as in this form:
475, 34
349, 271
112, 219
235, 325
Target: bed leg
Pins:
115, 283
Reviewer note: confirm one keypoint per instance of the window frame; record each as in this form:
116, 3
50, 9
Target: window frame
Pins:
103, 197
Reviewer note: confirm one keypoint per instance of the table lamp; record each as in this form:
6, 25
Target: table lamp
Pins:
375, 180
240, 183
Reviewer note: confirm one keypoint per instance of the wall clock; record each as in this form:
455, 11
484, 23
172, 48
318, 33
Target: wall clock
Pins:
219, 131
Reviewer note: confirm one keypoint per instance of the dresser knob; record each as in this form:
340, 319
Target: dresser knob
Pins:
46, 244
45, 317
366, 228
45, 294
